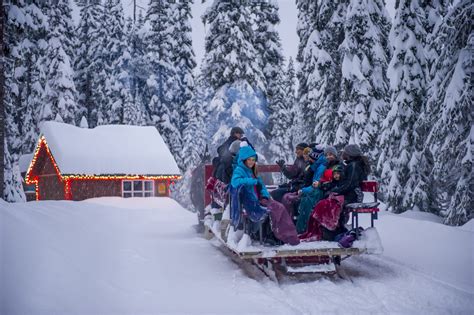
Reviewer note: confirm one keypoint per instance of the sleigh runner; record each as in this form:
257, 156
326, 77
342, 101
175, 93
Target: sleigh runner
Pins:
307, 257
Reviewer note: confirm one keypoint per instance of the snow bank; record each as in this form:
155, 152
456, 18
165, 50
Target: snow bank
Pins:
419, 215
110, 149
142, 256
439, 251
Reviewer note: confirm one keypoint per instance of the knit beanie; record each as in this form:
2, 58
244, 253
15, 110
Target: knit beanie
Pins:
352, 150
331, 150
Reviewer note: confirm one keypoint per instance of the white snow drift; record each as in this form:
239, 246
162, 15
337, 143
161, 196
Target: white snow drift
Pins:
142, 256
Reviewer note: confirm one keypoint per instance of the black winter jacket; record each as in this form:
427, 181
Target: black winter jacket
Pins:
223, 169
353, 176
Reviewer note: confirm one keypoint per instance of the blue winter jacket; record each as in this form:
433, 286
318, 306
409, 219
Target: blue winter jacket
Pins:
243, 175
318, 168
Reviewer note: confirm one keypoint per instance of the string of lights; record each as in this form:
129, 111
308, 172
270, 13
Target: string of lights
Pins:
32, 178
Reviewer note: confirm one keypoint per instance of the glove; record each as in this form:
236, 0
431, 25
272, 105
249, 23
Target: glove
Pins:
280, 163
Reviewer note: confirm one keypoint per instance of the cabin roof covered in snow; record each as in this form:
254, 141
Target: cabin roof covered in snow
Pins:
108, 150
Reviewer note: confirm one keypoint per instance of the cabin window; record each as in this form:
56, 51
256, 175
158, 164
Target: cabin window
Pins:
137, 188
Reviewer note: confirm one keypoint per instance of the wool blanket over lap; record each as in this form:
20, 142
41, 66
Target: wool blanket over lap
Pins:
289, 199
281, 222
326, 213
240, 198
308, 201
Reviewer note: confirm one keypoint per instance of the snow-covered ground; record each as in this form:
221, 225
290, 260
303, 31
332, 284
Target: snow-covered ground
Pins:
143, 256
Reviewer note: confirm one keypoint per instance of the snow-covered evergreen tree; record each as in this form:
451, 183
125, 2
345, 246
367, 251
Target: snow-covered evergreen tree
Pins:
364, 86
137, 71
15, 18
120, 108
194, 133
433, 10
30, 73
89, 64
306, 24
189, 111
291, 106
450, 105
162, 83
281, 146
398, 162
230, 52
320, 68
83, 123
269, 53
232, 70
183, 60
60, 90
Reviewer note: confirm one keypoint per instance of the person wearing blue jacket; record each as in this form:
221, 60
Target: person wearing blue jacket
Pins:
312, 194
245, 177
318, 167
245, 173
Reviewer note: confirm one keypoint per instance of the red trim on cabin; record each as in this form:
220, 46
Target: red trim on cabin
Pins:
44, 172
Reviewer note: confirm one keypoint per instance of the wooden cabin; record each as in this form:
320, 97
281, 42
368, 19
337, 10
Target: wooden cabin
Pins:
73, 163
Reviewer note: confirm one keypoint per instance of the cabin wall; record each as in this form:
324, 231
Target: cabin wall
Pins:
50, 187
85, 189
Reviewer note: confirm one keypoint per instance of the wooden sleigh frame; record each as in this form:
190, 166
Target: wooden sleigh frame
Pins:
295, 259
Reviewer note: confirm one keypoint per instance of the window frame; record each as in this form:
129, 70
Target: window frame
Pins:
143, 191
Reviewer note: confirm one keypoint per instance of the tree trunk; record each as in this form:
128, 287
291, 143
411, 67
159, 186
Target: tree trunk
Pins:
2, 106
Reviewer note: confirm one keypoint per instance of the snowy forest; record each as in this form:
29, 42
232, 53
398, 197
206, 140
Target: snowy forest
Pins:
399, 88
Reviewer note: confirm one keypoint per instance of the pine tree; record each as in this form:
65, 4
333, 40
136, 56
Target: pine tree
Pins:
118, 58
230, 52
364, 86
83, 123
161, 82
137, 69
2, 104
306, 24
408, 75
189, 105
60, 90
424, 196
269, 53
15, 28
280, 116
320, 68
30, 73
89, 64
451, 118
290, 106
434, 10
232, 71
194, 133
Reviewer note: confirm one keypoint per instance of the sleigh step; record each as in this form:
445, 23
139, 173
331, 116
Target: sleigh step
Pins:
328, 268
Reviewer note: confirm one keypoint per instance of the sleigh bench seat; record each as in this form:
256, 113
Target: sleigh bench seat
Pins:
365, 207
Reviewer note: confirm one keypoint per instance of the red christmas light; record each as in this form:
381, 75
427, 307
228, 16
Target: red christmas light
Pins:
66, 179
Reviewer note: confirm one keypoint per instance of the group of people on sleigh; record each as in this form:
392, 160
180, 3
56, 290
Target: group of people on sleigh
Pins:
310, 207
